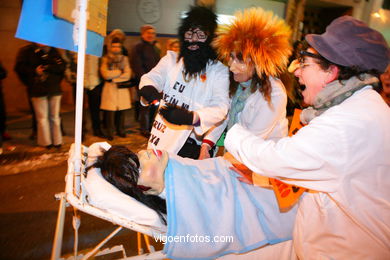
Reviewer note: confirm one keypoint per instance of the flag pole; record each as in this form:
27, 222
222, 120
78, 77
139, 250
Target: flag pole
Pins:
80, 40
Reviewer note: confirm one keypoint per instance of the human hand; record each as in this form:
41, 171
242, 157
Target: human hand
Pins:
177, 115
204, 151
149, 93
244, 172
116, 73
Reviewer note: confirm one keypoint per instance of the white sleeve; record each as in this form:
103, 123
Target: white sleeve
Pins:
217, 107
215, 132
159, 74
313, 158
260, 117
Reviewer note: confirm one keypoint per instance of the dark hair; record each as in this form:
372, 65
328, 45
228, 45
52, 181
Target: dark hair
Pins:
199, 16
116, 40
195, 62
119, 166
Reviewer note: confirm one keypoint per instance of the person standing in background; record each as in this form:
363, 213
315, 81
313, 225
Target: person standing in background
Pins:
144, 56
3, 115
42, 69
25, 78
93, 84
173, 45
115, 69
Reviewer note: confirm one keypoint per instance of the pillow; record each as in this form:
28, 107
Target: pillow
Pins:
105, 196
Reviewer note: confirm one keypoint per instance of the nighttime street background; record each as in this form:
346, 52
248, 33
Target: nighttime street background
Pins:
30, 177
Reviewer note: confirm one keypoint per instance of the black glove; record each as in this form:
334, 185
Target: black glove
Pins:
177, 115
150, 93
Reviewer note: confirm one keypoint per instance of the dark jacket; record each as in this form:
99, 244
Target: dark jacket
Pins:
28, 59
144, 56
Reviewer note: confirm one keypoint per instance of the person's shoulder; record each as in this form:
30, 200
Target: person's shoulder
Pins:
172, 54
366, 99
170, 57
218, 67
136, 47
277, 85
138, 43
125, 58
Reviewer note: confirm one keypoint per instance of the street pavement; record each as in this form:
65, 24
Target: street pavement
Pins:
21, 154
31, 176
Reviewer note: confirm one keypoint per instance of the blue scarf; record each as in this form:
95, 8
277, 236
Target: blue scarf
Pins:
238, 102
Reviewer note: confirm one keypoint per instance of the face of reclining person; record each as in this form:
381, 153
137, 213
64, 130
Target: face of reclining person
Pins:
152, 170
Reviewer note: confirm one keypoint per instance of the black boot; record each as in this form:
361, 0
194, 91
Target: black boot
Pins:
109, 121
120, 123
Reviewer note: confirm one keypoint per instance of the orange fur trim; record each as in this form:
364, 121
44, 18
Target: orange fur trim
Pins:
259, 35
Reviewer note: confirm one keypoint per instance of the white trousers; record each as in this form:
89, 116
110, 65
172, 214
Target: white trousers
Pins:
47, 111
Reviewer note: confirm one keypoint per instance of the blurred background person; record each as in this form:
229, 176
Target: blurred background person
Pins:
26, 78
3, 115
70, 59
144, 56
114, 69
42, 69
93, 85
119, 34
173, 45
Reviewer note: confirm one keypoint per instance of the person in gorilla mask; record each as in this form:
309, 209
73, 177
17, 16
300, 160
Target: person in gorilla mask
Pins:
191, 89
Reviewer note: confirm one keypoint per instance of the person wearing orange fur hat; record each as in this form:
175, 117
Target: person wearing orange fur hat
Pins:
256, 47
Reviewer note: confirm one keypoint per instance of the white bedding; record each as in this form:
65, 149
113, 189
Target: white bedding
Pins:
105, 196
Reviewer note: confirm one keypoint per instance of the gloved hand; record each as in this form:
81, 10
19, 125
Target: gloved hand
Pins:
177, 115
150, 93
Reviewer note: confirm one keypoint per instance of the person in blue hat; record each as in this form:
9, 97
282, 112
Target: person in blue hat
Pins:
342, 155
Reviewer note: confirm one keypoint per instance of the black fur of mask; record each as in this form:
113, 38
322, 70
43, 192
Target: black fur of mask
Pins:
196, 61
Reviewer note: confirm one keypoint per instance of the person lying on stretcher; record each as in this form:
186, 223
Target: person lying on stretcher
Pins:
140, 176
203, 198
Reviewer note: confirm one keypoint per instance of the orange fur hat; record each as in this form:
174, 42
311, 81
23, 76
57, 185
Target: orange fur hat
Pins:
258, 35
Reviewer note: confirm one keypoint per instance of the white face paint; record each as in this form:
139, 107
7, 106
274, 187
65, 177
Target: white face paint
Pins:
152, 168
242, 71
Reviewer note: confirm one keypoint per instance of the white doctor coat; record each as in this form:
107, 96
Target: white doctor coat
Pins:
266, 120
344, 157
207, 95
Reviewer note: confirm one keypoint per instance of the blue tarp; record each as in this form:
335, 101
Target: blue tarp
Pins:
38, 24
